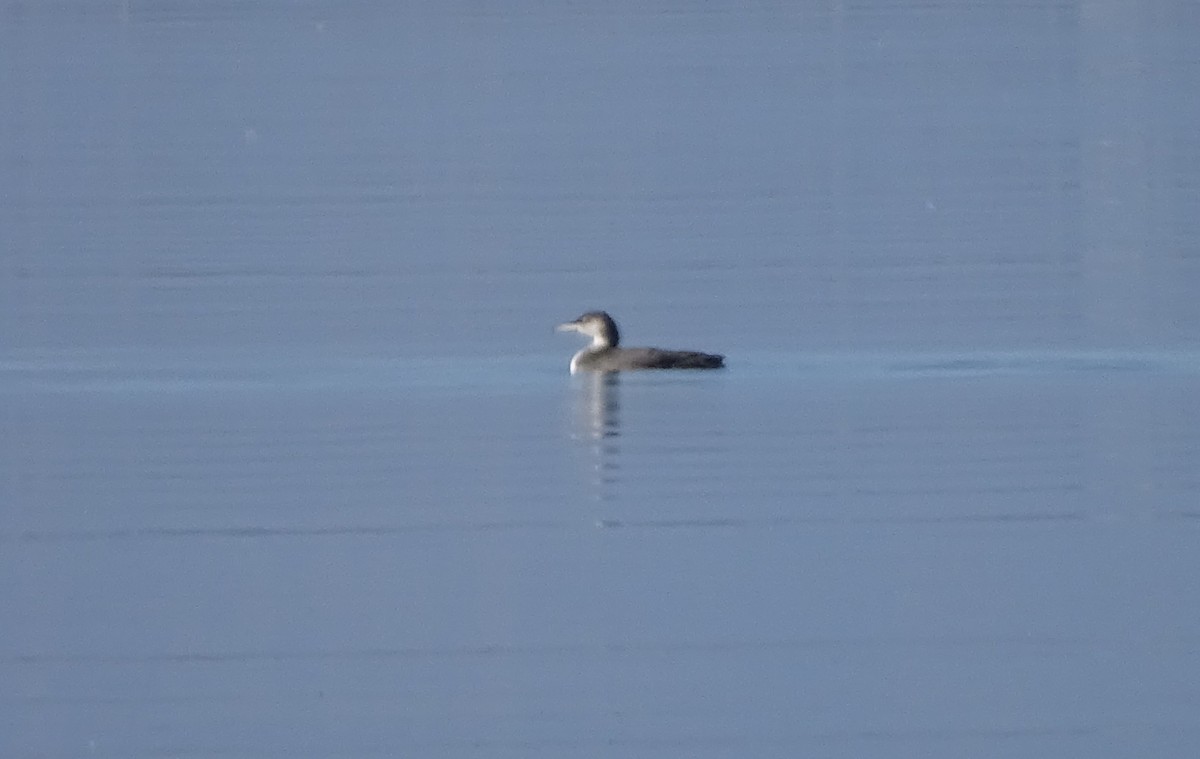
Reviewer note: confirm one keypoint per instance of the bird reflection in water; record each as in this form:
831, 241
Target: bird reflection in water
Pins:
597, 424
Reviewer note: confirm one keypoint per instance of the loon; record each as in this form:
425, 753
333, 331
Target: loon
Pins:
603, 355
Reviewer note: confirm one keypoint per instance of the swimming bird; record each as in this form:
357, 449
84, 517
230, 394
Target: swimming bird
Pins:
604, 355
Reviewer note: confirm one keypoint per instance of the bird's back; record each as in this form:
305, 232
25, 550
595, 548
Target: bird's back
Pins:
628, 359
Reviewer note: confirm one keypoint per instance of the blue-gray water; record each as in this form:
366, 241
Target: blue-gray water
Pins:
292, 464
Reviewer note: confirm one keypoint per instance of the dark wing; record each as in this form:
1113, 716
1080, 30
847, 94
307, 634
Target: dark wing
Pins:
657, 358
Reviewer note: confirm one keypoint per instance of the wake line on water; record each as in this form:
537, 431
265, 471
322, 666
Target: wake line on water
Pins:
1051, 645
148, 373
700, 523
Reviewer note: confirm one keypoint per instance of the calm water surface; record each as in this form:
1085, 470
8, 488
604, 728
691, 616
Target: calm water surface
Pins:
292, 464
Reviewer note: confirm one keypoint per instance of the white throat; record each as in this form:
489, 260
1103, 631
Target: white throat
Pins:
597, 345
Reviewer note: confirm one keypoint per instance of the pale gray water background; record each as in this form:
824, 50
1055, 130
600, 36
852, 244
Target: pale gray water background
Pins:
292, 465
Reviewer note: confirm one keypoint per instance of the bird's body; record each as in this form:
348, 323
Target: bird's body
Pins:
605, 355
